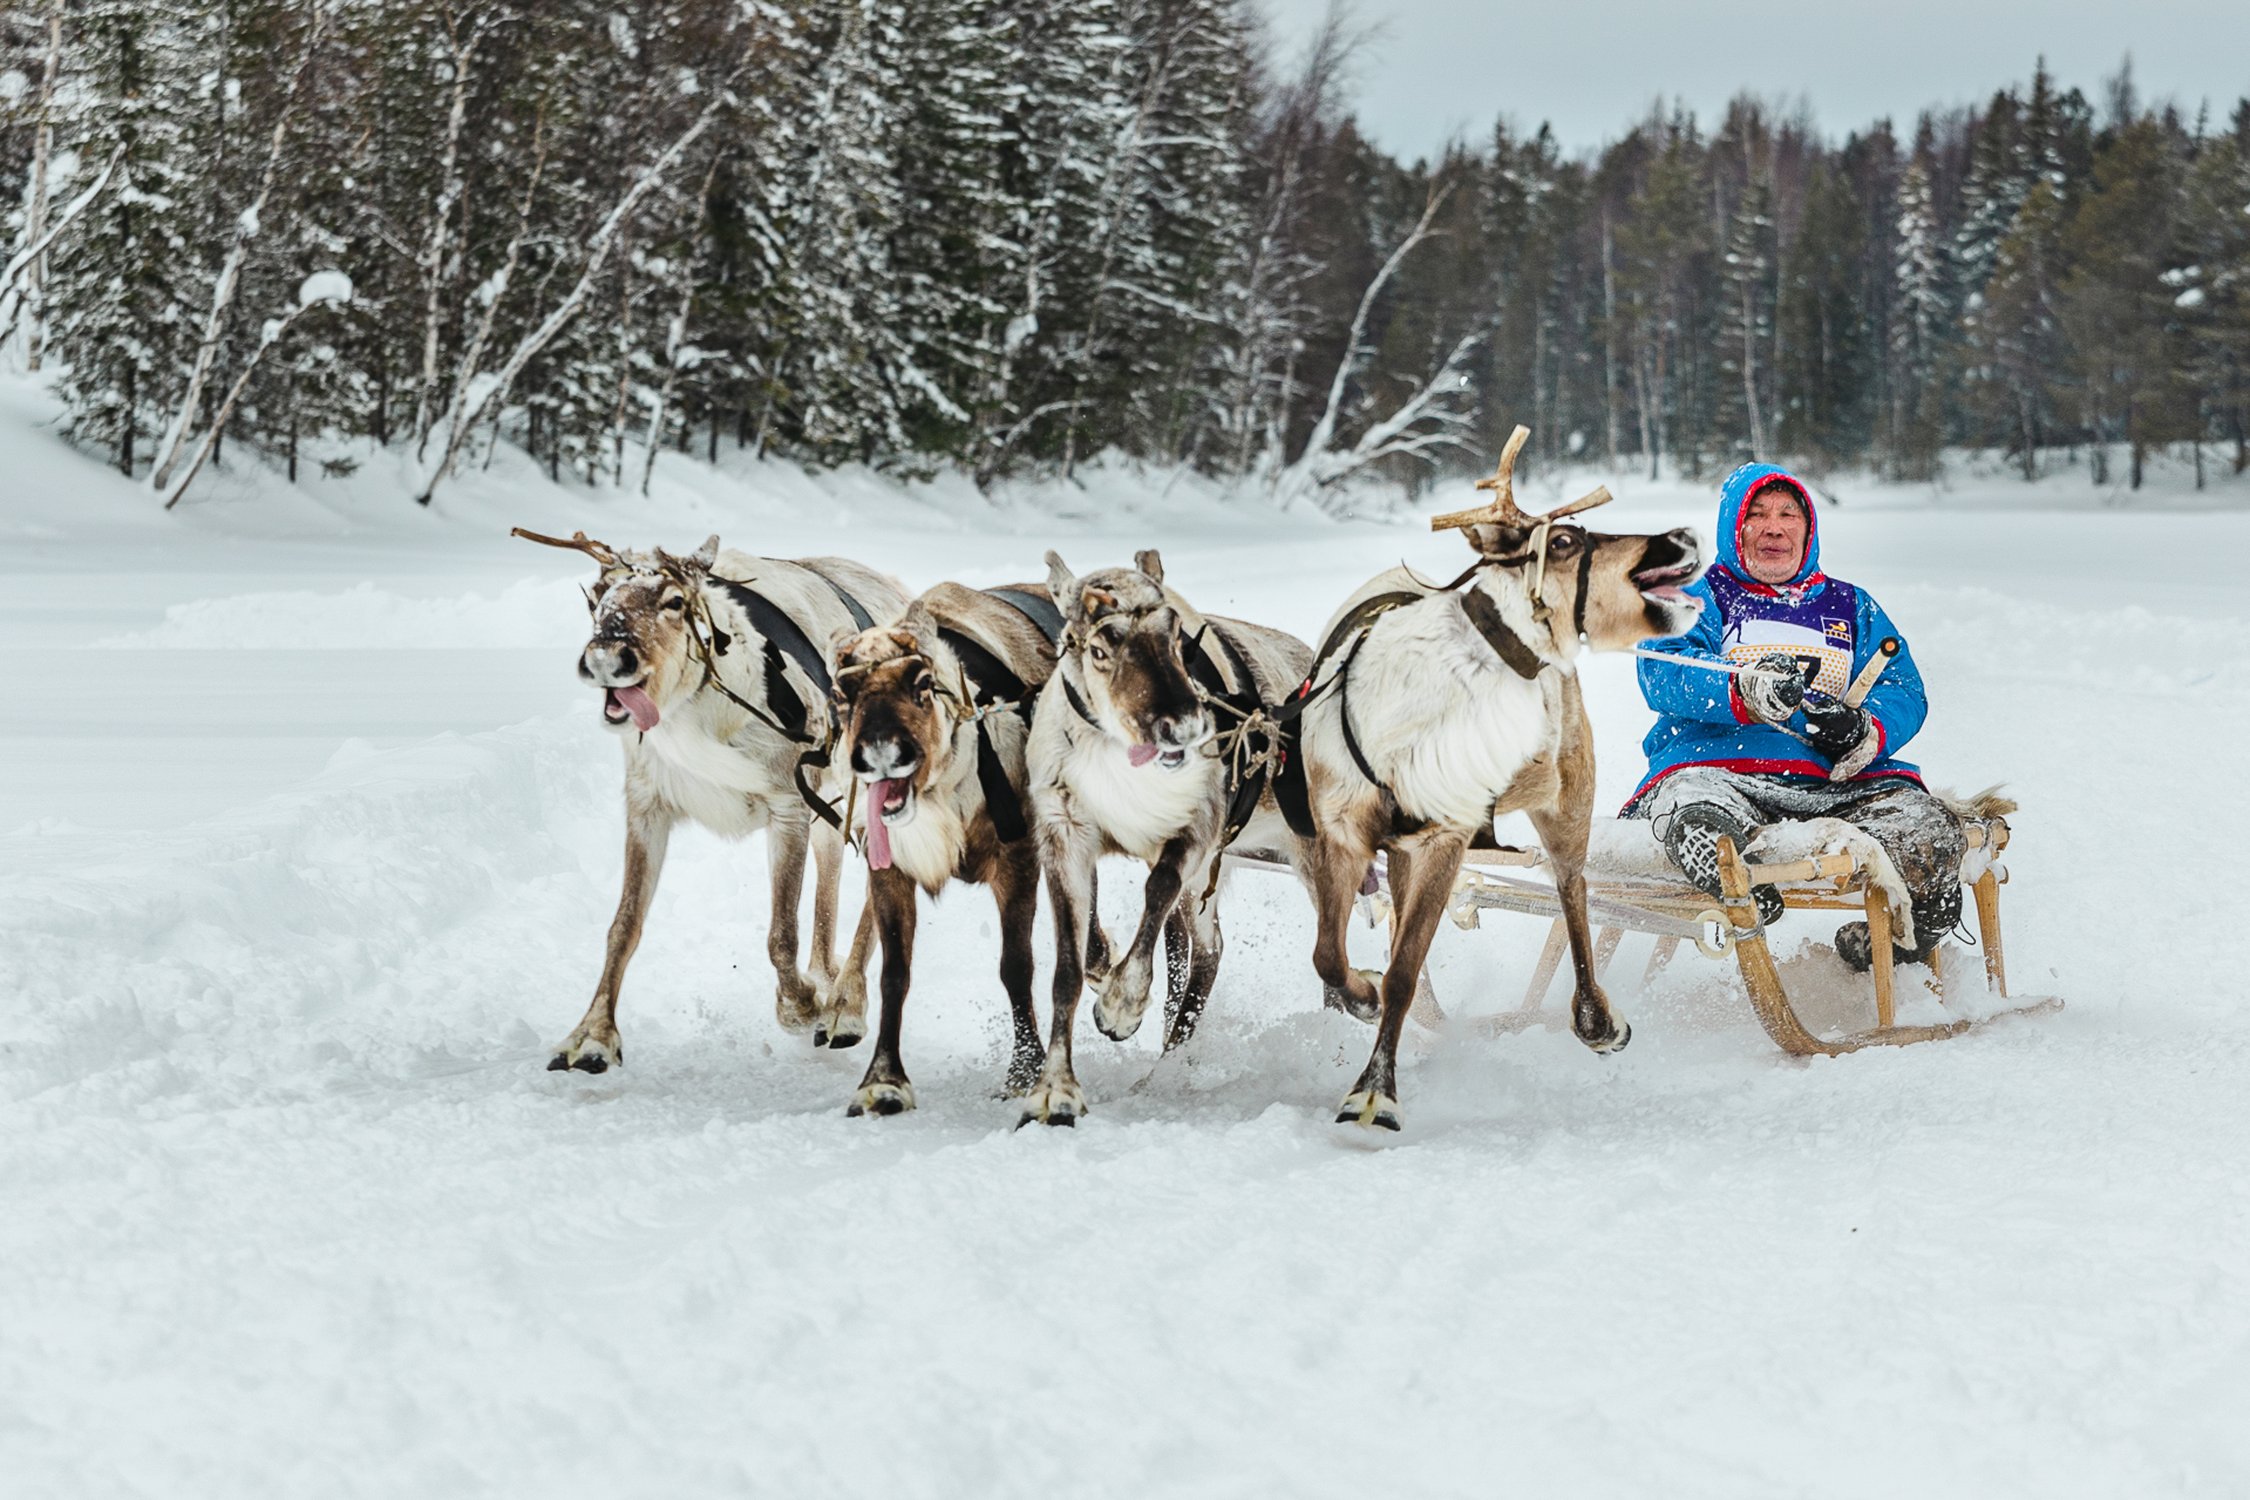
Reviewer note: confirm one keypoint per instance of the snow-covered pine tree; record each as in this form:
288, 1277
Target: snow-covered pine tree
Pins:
1920, 310
1746, 325
141, 84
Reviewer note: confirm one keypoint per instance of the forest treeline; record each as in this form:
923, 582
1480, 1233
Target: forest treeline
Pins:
1009, 236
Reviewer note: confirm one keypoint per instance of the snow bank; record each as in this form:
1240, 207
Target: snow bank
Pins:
527, 614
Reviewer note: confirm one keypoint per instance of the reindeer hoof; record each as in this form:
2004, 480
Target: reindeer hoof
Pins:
1614, 1042
1369, 1107
1369, 1010
1056, 1102
1118, 1013
844, 1031
882, 1099
796, 1010
587, 1055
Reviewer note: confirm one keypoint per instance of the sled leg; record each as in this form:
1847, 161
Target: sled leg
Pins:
1763, 980
1605, 949
1987, 890
1879, 937
1659, 957
1425, 1008
1550, 959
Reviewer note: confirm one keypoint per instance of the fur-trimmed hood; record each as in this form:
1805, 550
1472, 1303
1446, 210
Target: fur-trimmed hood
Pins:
1735, 492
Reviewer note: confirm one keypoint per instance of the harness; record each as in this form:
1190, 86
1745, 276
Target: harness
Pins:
785, 640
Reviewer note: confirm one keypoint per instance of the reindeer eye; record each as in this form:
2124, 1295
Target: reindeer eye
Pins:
1099, 654
1564, 541
674, 605
923, 684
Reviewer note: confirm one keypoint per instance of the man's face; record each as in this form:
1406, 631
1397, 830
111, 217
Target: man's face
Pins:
1772, 539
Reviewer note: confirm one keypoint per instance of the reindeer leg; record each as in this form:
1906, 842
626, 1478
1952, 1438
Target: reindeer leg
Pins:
594, 1046
844, 1016
1206, 945
1015, 888
1097, 940
1068, 853
885, 1090
1336, 869
1124, 997
1563, 827
828, 867
796, 1004
1420, 889
1179, 955
1590, 1015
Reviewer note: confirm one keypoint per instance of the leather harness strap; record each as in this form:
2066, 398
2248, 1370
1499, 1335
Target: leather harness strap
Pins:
993, 686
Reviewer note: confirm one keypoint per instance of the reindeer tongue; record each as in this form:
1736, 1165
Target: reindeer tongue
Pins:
1140, 755
639, 704
878, 832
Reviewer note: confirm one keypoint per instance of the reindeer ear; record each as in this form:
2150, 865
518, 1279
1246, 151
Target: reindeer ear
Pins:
915, 627
1148, 562
1497, 541
1062, 586
840, 642
702, 557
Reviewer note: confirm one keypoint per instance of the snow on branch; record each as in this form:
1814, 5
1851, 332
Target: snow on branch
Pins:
11, 281
1424, 423
476, 393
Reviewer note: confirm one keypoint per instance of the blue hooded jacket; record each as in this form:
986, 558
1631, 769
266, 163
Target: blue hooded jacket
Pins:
1830, 626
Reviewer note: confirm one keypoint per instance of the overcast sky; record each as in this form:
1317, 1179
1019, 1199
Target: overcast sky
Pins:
1439, 68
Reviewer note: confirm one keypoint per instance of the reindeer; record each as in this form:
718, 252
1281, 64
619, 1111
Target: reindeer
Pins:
1150, 745
1430, 710
709, 676
934, 714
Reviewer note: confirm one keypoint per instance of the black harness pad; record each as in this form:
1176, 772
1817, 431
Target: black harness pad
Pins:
785, 640
1040, 611
991, 682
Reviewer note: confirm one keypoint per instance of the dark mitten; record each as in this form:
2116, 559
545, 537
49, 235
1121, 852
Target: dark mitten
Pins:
1844, 733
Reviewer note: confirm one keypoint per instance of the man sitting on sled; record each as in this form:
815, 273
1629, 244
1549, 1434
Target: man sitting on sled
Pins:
1776, 741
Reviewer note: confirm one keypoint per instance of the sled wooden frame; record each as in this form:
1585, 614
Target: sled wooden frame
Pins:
1676, 912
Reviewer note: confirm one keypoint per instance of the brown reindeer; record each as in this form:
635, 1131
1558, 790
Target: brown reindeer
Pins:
1432, 710
709, 678
935, 712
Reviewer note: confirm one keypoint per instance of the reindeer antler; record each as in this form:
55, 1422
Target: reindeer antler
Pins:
600, 552
1502, 509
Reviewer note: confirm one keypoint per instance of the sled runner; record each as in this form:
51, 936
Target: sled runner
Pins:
1819, 865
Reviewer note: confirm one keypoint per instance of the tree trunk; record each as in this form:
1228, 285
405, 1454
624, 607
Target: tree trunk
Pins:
35, 337
1610, 395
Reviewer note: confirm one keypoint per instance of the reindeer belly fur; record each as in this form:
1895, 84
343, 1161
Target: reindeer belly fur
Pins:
1445, 724
1138, 808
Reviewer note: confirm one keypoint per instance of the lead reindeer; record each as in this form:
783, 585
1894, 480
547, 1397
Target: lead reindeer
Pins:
1149, 745
709, 676
1431, 710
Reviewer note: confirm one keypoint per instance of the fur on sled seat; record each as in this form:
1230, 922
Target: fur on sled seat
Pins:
1627, 849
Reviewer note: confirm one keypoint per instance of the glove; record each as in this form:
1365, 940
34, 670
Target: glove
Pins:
1772, 688
1844, 733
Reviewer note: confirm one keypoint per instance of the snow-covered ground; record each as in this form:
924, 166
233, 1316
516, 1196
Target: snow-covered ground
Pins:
308, 837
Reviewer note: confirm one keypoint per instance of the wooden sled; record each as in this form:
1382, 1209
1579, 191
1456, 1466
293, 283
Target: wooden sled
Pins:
1676, 912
